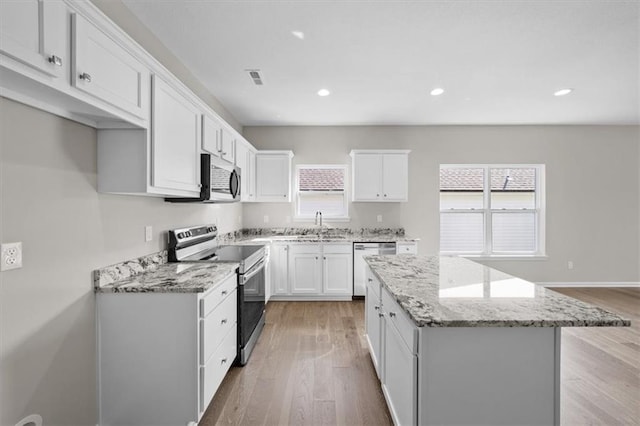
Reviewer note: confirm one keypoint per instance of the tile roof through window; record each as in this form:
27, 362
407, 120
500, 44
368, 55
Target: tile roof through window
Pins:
320, 179
471, 179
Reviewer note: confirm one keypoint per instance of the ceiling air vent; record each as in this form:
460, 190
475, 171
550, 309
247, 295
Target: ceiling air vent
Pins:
256, 77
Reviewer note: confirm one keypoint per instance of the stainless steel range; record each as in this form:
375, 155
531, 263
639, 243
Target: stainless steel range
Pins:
198, 244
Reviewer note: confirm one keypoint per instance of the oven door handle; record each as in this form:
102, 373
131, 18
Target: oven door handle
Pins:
253, 271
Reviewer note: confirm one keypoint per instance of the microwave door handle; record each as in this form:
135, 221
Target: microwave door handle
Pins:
234, 178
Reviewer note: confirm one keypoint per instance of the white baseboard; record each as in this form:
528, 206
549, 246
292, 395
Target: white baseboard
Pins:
593, 284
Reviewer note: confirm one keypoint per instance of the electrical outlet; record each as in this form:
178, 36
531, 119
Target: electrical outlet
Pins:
266, 219
379, 218
148, 233
287, 219
570, 264
11, 256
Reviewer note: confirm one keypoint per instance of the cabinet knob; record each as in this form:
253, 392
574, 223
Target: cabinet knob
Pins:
377, 195
392, 314
385, 195
285, 195
86, 77
316, 257
224, 153
223, 361
370, 280
324, 257
224, 292
224, 321
55, 60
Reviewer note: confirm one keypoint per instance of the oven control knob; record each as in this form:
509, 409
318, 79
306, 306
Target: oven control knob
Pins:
188, 233
210, 229
180, 235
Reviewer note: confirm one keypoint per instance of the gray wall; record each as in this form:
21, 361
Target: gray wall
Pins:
592, 186
49, 202
122, 16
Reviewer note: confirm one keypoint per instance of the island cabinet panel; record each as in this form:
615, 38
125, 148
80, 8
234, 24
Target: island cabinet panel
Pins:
505, 376
34, 33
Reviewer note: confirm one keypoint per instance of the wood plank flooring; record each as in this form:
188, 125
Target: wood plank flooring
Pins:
600, 366
311, 366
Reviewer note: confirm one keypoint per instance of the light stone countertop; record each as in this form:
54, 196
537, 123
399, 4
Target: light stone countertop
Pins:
174, 278
456, 292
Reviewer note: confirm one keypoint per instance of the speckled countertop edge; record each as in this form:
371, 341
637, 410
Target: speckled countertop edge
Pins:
424, 314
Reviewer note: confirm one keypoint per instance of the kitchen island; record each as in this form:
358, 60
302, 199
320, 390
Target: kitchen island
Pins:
456, 342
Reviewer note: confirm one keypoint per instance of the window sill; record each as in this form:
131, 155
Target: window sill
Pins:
526, 257
325, 220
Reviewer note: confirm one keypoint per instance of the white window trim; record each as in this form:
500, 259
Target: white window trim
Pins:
304, 218
540, 209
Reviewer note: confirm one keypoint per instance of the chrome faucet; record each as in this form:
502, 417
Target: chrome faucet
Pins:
319, 213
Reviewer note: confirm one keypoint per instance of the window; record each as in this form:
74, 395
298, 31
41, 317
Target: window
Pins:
492, 210
321, 188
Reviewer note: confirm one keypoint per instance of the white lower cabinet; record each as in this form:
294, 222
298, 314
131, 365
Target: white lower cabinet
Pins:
162, 356
393, 345
312, 271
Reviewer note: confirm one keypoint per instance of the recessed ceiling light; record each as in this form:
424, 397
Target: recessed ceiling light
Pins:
298, 34
562, 92
437, 91
323, 92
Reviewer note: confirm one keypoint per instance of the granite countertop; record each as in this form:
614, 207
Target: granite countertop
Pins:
324, 235
173, 278
456, 292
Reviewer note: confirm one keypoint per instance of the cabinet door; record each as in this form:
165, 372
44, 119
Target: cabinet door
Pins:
337, 276
400, 378
175, 139
227, 145
273, 177
305, 270
35, 32
279, 259
367, 177
105, 70
251, 178
373, 322
395, 177
211, 129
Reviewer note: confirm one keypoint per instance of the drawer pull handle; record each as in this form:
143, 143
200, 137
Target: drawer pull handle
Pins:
370, 280
55, 60
224, 292
392, 314
376, 307
224, 321
223, 361
380, 314
86, 77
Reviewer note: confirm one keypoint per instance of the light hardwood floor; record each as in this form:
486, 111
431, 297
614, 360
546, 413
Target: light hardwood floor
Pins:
311, 366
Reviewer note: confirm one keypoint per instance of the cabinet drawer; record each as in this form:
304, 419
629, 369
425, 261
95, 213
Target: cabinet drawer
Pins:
212, 374
217, 295
407, 248
305, 248
216, 325
337, 248
394, 313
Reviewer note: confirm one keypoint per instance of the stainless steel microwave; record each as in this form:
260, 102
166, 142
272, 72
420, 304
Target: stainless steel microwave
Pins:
219, 182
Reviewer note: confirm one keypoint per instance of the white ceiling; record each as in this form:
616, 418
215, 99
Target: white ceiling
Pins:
498, 61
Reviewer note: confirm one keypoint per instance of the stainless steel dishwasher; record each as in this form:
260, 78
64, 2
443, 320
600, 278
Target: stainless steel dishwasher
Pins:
359, 265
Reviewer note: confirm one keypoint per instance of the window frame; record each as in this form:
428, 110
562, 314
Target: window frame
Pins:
345, 193
487, 212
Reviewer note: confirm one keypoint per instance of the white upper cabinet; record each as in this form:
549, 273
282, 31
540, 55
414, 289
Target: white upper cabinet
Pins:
273, 176
218, 139
105, 70
175, 139
380, 175
35, 33
246, 160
